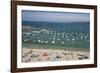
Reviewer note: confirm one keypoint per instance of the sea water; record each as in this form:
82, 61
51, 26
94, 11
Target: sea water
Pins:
56, 34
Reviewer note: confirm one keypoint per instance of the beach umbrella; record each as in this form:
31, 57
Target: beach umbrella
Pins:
53, 42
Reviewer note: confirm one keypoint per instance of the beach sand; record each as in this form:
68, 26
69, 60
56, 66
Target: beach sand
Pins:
41, 55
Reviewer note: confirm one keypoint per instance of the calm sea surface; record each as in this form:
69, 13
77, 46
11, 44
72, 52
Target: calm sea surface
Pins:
56, 35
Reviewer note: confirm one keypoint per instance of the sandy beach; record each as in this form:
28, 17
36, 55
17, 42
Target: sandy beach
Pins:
39, 55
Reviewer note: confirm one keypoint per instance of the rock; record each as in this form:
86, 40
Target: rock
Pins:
80, 58
58, 56
23, 56
29, 60
34, 56
64, 53
39, 59
48, 58
85, 57
30, 52
80, 54
26, 54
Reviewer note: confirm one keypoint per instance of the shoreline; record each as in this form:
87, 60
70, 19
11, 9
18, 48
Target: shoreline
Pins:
68, 49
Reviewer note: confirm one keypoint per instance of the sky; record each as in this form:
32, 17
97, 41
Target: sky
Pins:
50, 16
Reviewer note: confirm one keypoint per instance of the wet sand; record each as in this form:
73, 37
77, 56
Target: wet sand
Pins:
41, 55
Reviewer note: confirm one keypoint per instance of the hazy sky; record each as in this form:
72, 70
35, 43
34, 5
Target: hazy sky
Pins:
50, 16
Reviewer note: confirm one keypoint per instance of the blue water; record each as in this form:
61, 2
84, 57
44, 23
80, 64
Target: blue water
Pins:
65, 27
70, 34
